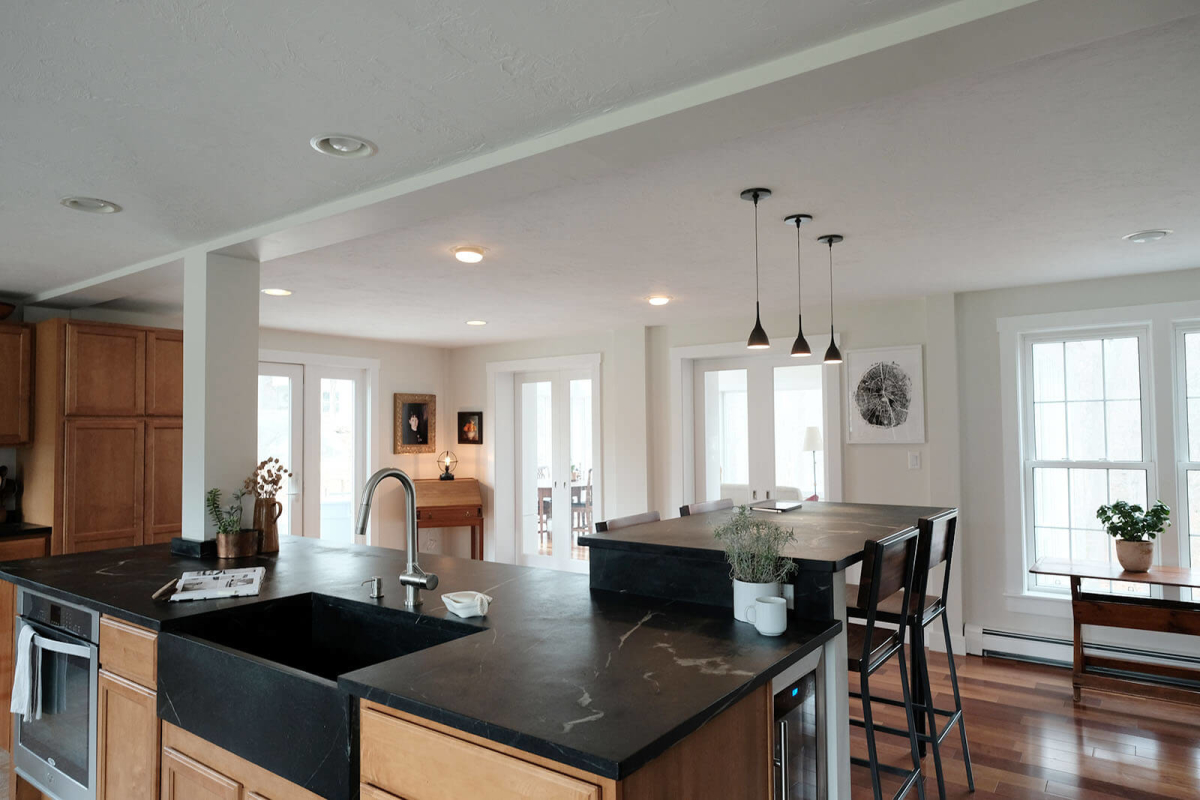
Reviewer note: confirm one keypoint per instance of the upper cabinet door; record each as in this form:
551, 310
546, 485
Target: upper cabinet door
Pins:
103, 487
164, 480
106, 370
16, 383
164, 373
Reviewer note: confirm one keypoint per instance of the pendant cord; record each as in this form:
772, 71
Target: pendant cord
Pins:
756, 295
799, 288
830, 286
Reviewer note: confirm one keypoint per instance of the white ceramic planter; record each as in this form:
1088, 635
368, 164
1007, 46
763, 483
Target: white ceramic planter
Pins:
1135, 556
744, 595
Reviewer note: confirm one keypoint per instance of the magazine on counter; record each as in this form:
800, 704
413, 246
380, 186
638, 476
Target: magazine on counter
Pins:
211, 584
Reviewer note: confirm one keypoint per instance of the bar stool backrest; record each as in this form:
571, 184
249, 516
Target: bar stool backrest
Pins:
887, 568
935, 545
605, 525
704, 508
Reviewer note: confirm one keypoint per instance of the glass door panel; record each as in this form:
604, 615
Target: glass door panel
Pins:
799, 433
582, 471
535, 455
726, 436
338, 464
281, 434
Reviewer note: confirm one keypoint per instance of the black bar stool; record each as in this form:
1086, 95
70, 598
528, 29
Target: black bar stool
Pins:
935, 545
887, 569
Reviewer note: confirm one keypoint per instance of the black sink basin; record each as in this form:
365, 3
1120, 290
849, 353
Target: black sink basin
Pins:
260, 680
323, 636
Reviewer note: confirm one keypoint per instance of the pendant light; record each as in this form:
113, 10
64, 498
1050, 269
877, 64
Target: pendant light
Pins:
832, 355
758, 337
800, 348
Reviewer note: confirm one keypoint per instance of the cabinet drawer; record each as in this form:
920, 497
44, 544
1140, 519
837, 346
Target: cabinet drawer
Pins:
129, 651
16, 549
420, 764
450, 516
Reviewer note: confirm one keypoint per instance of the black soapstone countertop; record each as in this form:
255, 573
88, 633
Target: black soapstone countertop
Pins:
600, 681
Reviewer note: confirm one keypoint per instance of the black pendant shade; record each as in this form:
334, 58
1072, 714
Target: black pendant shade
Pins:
800, 347
758, 337
833, 355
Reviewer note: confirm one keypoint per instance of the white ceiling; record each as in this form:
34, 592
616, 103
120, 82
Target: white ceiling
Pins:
1027, 174
196, 116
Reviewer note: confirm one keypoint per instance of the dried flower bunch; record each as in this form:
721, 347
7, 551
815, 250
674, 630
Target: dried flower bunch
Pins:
266, 479
753, 546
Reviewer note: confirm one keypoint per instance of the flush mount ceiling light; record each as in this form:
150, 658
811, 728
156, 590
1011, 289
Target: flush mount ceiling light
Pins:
758, 337
277, 292
468, 253
476, 322
800, 347
658, 300
340, 145
832, 355
1142, 237
93, 205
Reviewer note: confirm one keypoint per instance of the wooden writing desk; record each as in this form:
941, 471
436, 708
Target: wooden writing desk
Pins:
452, 504
1124, 611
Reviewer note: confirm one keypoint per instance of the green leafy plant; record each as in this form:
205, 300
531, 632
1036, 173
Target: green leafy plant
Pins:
1133, 523
752, 546
228, 519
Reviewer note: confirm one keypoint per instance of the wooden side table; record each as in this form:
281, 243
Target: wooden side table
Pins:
1137, 613
452, 504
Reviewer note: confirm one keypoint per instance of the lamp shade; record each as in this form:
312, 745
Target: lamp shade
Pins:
812, 439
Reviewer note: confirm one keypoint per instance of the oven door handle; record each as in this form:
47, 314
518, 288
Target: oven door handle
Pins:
78, 650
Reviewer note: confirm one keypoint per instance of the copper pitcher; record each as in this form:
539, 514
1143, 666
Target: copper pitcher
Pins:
267, 511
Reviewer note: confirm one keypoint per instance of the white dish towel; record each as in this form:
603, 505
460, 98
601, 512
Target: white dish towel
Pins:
23, 675
467, 604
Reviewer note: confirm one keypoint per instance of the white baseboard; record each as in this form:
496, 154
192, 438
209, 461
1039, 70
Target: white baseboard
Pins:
1052, 650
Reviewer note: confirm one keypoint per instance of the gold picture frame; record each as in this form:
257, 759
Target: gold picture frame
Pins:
410, 437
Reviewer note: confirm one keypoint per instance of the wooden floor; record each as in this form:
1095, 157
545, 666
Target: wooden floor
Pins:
1028, 739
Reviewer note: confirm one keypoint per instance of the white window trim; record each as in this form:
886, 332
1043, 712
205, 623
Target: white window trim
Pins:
1162, 321
1183, 464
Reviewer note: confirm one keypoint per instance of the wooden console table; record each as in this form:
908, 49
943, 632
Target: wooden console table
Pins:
1138, 613
452, 504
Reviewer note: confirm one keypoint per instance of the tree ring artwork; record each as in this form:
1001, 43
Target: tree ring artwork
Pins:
884, 395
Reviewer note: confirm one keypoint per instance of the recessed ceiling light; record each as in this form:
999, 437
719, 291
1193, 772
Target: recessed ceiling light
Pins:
340, 145
658, 300
93, 205
1141, 237
476, 322
468, 253
277, 292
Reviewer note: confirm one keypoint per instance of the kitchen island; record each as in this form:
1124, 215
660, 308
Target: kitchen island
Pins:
559, 686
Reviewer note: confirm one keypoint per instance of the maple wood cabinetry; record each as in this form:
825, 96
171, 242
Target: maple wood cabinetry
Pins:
127, 727
16, 383
106, 465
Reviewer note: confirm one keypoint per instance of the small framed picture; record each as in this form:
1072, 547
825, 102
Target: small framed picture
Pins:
414, 424
470, 427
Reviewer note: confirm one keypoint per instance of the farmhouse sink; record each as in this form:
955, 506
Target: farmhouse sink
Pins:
260, 680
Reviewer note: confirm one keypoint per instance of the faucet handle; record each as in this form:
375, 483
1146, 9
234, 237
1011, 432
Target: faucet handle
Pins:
376, 585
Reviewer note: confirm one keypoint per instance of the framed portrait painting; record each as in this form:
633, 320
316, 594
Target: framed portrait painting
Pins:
414, 423
470, 427
885, 396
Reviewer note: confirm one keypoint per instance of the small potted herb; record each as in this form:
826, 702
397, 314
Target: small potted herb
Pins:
233, 541
752, 548
1135, 531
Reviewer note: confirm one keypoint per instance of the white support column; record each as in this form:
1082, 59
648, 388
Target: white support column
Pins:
220, 381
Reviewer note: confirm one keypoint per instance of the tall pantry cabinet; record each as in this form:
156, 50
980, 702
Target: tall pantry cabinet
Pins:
106, 464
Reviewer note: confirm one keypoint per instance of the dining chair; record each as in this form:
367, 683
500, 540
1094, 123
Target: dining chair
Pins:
705, 507
887, 570
606, 525
935, 545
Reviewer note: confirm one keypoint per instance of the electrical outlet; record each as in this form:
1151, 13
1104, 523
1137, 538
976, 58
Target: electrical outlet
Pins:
914, 460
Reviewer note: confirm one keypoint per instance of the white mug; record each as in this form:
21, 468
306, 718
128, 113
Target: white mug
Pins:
769, 615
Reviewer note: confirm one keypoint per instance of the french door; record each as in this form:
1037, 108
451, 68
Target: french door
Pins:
760, 429
312, 417
558, 478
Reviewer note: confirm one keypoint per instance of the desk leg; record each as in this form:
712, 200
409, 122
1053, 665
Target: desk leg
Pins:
477, 549
837, 720
1077, 670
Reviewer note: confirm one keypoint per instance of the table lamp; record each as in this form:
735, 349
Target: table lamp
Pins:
447, 461
812, 443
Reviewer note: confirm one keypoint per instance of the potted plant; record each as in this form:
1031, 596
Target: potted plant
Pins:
264, 484
233, 541
752, 548
1135, 531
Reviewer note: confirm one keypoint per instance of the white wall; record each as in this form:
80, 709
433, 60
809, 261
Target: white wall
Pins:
982, 473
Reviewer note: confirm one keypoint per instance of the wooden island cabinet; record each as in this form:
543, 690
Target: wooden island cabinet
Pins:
105, 467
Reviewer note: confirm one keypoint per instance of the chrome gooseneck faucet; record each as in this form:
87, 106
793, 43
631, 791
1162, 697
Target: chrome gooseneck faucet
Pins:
414, 578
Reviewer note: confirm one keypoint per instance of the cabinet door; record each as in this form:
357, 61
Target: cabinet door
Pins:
164, 373
106, 370
16, 383
127, 739
103, 486
164, 480
186, 779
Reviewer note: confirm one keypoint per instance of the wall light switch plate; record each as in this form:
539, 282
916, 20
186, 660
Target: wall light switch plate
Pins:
914, 460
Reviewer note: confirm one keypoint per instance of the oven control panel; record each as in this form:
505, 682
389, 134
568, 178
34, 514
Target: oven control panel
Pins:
65, 617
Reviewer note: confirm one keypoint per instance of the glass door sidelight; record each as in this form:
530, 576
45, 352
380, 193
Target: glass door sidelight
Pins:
281, 435
759, 429
557, 438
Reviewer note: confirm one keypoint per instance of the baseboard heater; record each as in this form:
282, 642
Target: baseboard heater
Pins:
991, 636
